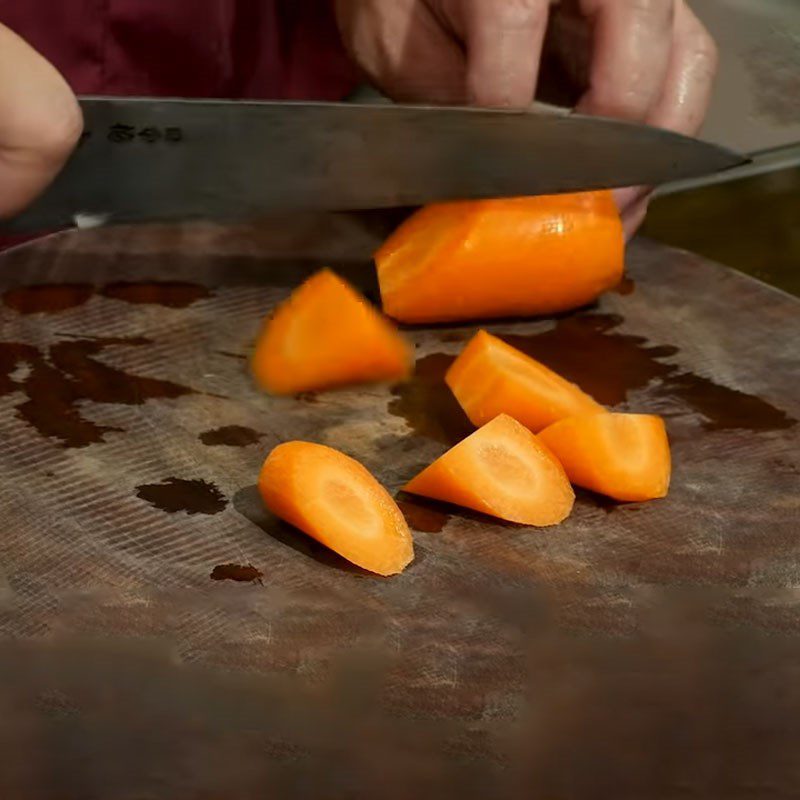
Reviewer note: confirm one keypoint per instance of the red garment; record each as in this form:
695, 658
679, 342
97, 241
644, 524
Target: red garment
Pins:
265, 49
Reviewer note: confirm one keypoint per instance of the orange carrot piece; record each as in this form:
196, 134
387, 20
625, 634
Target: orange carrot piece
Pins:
498, 258
325, 335
624, 456
491, 377
501, 470
336, 501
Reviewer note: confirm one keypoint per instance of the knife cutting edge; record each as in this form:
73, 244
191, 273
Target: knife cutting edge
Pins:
144, 160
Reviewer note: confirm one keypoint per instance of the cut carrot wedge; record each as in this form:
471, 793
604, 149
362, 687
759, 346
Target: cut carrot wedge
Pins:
490, 377
499, 258
501, 470
624, 456
325, 335
336, 501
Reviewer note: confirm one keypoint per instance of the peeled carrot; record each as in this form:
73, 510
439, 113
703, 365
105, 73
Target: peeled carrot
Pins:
499, 258
624, 456
501, 470
336, 501
490, 377
325, 335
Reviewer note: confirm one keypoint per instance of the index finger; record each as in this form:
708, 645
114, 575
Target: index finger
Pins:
632, 45
504, 41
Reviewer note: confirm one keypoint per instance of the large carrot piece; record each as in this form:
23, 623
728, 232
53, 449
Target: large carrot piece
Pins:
501, 470
325, 335
335, 500
490, 377
624, 456
499, 258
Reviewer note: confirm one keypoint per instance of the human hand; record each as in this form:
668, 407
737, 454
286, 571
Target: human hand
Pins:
642, 60
40, 123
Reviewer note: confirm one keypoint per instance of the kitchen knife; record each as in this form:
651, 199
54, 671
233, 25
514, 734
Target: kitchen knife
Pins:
158, 160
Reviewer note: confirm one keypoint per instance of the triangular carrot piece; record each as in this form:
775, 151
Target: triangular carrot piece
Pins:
336, 501
501, 470
490, 377
624, 456
326, 335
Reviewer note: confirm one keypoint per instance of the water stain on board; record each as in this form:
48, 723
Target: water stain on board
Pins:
54, 298
427, 404
49, 299
589, 350
159, 293
55, 384
175, 495
424, 516
230, 436
625, 287
241, 573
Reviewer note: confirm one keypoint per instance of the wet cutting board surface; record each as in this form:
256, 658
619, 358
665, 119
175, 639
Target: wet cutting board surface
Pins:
154, 613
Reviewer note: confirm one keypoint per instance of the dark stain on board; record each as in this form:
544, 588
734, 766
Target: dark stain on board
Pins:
230, 436
158, 293
427, 404
589, 350
423, 515
55, 385
241, 573
625, 287
175, 495
49, 299
57, 297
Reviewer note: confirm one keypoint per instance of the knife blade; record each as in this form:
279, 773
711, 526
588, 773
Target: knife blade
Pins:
162, 160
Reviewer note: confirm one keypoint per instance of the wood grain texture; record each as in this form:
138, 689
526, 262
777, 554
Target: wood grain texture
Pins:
635, 650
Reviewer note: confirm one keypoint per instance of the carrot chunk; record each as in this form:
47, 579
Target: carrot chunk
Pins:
325, 335
501, 470
490, 377
624, 456
498, 258
336, 501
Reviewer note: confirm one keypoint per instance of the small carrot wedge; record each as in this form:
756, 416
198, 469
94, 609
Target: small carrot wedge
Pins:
336, 501
490, 377
498, 258
326, 335
501, 470
624, 456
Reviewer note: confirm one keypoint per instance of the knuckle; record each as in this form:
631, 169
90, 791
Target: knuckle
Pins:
59, 132
521, 13
661, 11
705, 50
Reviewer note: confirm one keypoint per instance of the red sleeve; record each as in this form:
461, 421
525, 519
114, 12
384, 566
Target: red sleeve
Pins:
267, 49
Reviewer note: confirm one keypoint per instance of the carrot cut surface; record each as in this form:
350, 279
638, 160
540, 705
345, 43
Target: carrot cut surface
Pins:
326, 335
498, 258
490, 377
624, 456
501, 470
336, 501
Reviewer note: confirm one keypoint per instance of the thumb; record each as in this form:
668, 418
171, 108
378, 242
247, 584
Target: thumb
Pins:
40, 123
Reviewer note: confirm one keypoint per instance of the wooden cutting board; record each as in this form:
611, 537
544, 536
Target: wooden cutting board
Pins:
164, 636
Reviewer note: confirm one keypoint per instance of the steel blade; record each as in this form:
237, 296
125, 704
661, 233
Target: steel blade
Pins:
160, 160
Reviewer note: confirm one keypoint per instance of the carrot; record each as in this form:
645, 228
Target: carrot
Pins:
326, 335
490, 377
498, 258
501, 470
336, 501
624, 456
